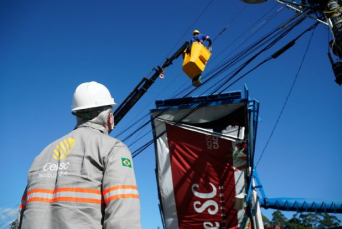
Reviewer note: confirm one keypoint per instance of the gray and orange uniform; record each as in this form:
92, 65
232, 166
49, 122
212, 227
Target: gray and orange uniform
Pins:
83, 180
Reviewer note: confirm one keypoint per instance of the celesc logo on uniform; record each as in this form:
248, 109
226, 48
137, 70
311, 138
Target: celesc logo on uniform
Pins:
61, 151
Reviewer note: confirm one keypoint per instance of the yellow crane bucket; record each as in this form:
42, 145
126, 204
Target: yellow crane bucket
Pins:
195, 60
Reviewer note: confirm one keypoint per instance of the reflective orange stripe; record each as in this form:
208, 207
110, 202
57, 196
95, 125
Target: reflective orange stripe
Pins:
22, 206
74, 199
121, 196
40, 199
67, 199
84, 195
120, 187
40, 190
120, 192
84, 190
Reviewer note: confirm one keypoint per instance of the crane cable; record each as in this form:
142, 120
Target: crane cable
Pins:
287, 98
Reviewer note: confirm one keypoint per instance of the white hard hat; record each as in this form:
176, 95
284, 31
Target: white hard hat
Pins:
91, 95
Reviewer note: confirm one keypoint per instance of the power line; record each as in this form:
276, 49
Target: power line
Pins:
203, 11
224, 29
263, 41
274, 40
189, 86
9, 218
198, 17
287, 98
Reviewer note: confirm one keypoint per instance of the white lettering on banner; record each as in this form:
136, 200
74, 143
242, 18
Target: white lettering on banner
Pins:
204, 195
206, 204
54, 167
212, 142
208, 225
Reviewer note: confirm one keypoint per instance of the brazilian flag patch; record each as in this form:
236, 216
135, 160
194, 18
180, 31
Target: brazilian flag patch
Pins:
126, 162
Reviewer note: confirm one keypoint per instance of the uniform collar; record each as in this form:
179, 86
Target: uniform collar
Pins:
93, 126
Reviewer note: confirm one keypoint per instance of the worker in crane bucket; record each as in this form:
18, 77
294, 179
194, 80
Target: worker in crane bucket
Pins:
200, 38
197, 37
86, 178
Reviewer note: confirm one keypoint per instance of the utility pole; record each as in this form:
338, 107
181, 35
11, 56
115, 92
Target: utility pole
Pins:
334, 18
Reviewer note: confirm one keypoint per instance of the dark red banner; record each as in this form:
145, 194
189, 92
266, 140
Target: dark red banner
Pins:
203, 179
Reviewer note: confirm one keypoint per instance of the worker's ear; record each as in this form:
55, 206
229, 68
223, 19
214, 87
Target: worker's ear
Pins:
110, 122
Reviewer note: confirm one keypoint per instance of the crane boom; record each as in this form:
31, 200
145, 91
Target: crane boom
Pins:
144, 85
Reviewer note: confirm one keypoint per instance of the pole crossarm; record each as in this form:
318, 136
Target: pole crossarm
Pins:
290, 6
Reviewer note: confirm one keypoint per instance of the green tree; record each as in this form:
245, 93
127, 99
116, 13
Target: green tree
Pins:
304, 220
293, 223
265, 220
328, 221
309, 220
278, 217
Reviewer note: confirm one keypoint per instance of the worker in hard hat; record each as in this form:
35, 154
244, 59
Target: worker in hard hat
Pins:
86, 178
200, 38
197, 37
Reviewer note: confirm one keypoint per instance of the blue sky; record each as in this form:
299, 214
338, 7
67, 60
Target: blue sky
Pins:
49, 47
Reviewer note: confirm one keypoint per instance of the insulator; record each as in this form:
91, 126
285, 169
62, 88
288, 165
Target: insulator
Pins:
332, 5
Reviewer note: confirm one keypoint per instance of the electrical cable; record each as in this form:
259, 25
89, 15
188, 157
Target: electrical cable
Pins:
223, 66
203, 11
248, 49
283, 34
231, 22
216, 56
188, 87
254, 47
286, 100
257, 54
244, 32
198, 17
138, 151
7, 219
